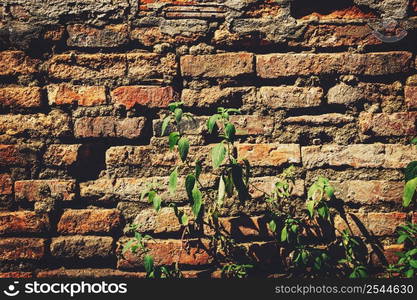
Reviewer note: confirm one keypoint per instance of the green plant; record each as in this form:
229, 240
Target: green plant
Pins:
354, 259
232, 270
410, 180
407, 262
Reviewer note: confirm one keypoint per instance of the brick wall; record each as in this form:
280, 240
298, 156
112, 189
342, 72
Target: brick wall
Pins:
84, 86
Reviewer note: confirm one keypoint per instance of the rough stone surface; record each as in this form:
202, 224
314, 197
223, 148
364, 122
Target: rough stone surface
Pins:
82, 247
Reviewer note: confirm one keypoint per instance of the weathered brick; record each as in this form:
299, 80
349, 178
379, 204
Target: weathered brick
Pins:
410, 93
347, 94
358, 156
325, 119
326, 35
89, 273
378, 224
61, 94
385, 223
22, 248
242, 227
6, 184
37, 190
269, 154
23, 222
20, 97
267, 184
88, 127
240, 63
384, 124
54, 124
217, 96
89, 221
148, 96
18, 155
130, 189
146, 67
164, 221
82, 247
244, 124
290, 96
109, 36
87, 66
168, 252
61, 155
384, 63
16, 62
369, 192
16, 275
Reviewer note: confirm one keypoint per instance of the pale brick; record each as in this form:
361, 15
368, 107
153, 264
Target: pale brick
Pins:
20, 97
61, 94
290, 96
38, 190
96, 127
269, 154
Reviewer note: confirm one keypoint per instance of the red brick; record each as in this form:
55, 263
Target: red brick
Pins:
54, 124
20, 97
325, 119
87, 66
88, 273
22, 248
81, 35
385, 223
61, 155
369, 192
82, 95
16, 275
95, 127
23, 222
148, 96
245, 125
16, 62
410, 93
378, 224
269, 154
6, 184
290, 96
168, 252
151, 36
358, 156
384, 124
303, 64
218, 96
414, 218
326, 35
151, 67
240, 63
89, 221
32, 190
17, 155
82, 247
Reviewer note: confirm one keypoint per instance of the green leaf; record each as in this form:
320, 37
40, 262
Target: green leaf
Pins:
230, 131
413, 263
229, 185
148, 263
414, 141
284, 234
221, 192
410, 171
272, 225
198, 168
329, 191
172, 106
157, 202
184, 219
183, 147
178, 115
190, 181
151, 196
173, 181
218, 153
211, 123
173, 139
310, 208
401, 239
323, 211
165, 124
409, 273
197, 198
409, 191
